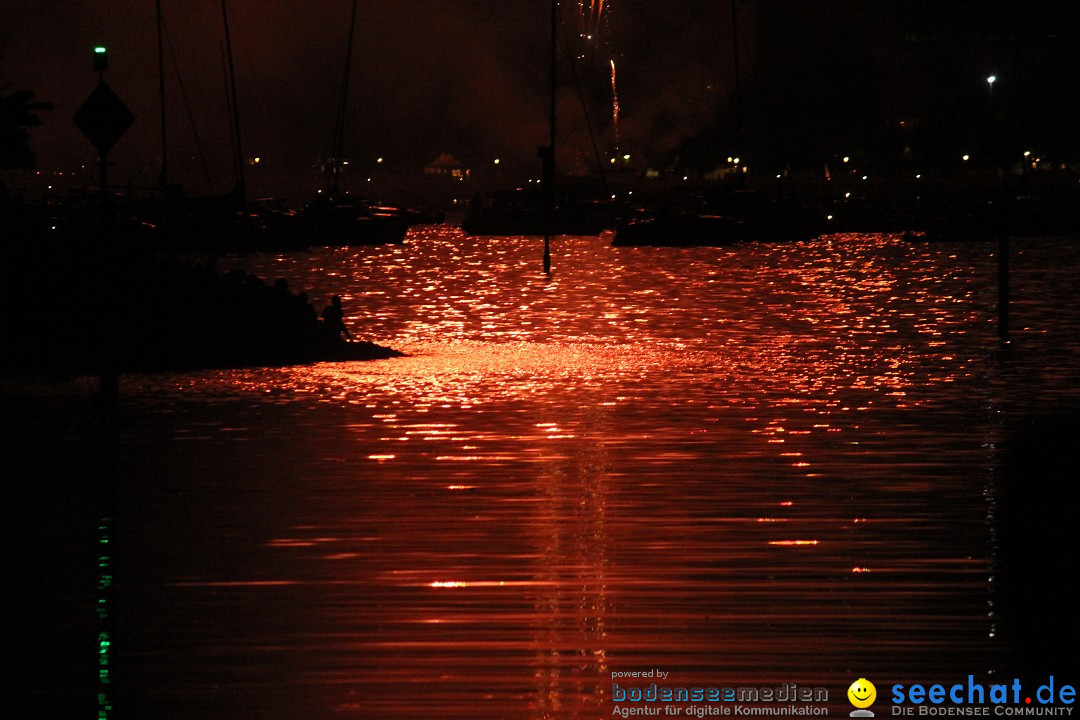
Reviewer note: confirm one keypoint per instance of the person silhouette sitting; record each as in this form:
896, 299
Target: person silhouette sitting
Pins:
333, 317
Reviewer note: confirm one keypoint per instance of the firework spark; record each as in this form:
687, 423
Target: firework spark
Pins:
591, 16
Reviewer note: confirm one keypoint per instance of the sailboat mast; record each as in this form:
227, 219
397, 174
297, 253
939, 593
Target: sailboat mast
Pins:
551, 121
164, 174
240, 186
738, 89
332, 185
548, 192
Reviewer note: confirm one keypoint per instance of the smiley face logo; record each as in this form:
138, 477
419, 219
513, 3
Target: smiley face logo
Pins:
862, 693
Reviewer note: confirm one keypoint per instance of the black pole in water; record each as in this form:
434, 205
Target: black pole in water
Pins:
103, 190
548, 196
110, 376
547, 253
1003, 270
107, 407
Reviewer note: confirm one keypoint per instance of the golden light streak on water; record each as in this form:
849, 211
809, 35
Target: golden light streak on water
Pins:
745, 465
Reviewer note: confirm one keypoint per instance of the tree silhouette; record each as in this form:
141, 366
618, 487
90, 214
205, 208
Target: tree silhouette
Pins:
17, 115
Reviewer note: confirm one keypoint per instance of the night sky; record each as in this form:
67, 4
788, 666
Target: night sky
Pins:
470, 78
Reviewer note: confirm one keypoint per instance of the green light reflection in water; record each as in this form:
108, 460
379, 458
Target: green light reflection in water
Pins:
104, 604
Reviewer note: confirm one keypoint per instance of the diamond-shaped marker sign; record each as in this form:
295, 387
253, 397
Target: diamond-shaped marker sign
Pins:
103, 118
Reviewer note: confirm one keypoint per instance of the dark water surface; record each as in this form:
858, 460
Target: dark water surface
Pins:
751, 465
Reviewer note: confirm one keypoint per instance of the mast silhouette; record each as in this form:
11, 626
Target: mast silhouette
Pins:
548, 153
163, 174
240, 188
334, 170
734, 50
738, 90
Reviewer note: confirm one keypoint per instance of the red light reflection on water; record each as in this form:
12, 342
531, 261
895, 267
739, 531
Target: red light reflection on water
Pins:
657, 458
